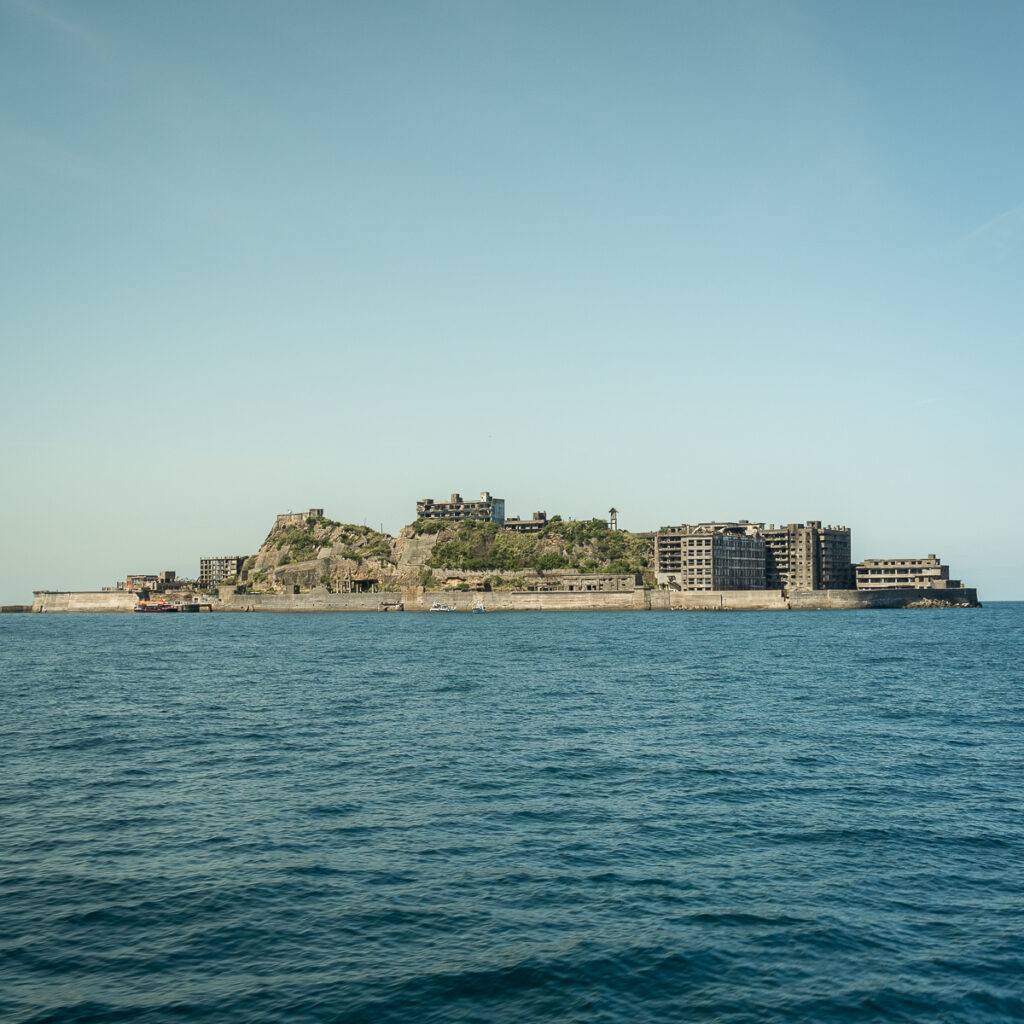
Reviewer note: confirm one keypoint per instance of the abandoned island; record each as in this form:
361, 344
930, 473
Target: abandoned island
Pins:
466, 555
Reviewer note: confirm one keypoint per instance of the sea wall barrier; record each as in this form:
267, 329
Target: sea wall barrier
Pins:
542, 601
84, 601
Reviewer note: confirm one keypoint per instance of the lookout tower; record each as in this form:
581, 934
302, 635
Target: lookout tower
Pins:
613, 518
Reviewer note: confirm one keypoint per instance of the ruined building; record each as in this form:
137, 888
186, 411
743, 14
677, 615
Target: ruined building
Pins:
808, 557
217, 569
710, 556
534, 525
749, 556
893, 573
457, 509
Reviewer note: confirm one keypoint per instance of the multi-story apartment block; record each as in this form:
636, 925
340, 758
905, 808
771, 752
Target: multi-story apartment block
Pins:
215, 570
487, 509
710, 556
808, 557
534, 525
893, 573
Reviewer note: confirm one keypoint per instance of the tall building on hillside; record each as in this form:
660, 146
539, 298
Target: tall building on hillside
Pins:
808, 557
710, 556
217, 569
487, 509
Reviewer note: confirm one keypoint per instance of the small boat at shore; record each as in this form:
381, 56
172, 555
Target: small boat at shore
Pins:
168, 606
438, 607
156, 606
479, 607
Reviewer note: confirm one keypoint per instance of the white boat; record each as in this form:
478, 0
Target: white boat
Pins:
438, 607
479, 607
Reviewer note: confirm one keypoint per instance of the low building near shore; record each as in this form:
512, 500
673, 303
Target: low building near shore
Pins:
600, 583
897, 573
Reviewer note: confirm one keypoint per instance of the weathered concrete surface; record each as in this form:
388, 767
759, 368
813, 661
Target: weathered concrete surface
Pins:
727, 600
84, 601
563, 601
314, 601
421, 601
542, 601
904, 598
818, 600
415, 600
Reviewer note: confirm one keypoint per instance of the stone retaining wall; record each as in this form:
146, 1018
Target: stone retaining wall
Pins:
543, 601
84, 601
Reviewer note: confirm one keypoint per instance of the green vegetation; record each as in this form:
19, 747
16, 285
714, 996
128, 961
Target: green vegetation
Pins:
430, 526
301, 542
478, 545
306, 541
588, 547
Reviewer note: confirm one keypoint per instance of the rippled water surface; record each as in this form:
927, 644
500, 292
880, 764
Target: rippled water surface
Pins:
803, 816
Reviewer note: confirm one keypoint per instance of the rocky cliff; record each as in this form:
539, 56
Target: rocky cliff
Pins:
318, 552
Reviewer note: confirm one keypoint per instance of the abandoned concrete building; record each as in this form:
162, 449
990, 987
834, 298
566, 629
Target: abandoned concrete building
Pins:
746, 555
215, 570
891, 573
457, 509
139, 581
808, 557
299, 518
534, 525
602, 583
710, 556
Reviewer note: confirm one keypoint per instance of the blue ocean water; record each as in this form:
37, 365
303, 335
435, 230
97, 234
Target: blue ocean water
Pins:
802, 816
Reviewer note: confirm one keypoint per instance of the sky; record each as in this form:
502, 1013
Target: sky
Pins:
755, 259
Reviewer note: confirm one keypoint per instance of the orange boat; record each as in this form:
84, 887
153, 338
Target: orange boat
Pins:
156, 606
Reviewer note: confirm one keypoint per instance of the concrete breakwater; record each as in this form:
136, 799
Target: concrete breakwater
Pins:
543, 601
84, 601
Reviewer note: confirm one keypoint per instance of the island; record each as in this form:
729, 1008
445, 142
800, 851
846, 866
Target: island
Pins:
466, 555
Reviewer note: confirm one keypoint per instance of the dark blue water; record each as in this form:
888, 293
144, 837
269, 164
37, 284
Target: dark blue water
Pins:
506, 818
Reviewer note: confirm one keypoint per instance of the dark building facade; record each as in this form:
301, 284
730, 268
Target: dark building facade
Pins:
710, 556
808, 557
219, 568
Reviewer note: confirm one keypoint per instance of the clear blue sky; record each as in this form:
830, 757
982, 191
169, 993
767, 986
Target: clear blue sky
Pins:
696, 260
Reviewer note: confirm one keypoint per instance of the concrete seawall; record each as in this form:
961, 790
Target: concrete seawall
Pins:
819, 600
84, 601
413, 601
547, 601
315, 601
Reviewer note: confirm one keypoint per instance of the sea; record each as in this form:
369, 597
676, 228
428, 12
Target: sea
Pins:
513, 817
